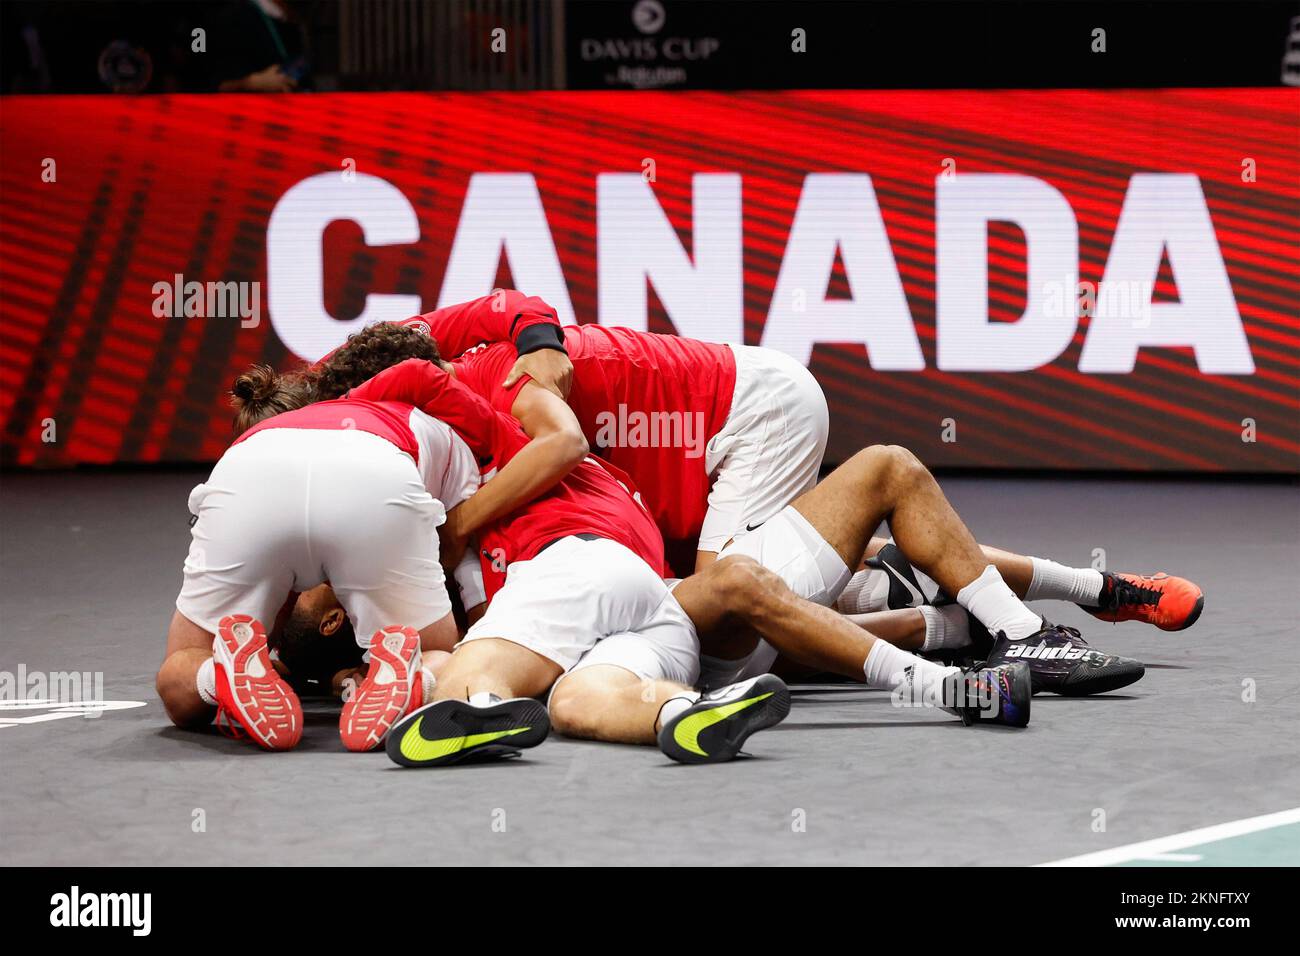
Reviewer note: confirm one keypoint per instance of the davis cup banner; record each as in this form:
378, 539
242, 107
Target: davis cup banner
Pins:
1049, 279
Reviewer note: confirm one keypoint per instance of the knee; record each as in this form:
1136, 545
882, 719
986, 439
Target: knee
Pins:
890, 466
574, 703
467, 670
747, 587
180, 695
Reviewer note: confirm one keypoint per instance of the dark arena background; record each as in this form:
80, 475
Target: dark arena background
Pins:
1051, 248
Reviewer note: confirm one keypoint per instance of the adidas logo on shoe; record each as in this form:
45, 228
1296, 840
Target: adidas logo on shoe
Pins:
1042, 652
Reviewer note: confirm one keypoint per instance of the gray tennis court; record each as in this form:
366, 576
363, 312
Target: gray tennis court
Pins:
91, 564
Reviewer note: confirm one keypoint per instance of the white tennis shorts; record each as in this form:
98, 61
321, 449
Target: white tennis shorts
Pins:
291, 508
770, 450
791, 547
577, 595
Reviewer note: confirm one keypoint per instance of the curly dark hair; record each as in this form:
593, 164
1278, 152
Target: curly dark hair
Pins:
369, 352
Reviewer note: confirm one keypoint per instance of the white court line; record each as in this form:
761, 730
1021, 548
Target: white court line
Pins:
1154, 849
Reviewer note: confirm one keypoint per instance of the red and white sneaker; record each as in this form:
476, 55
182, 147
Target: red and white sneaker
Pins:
394, 686
250, 694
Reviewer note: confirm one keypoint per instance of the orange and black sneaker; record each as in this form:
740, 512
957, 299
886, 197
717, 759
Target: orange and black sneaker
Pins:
1170, 603
252, 698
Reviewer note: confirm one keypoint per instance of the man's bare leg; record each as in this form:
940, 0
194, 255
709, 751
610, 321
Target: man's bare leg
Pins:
1016, 569
738, 590
904, 628
888, 483
482, 706
495, 666
188, 647
610, 703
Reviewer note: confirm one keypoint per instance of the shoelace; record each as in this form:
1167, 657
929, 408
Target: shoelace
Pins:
1071, 634
227, 725
1124, 591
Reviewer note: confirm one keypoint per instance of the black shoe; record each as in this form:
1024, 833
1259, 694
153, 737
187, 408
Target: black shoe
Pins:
904, 591
995, 695
716, 726
456, 731
1063, 663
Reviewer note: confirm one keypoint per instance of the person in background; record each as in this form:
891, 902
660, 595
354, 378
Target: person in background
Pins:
259, 46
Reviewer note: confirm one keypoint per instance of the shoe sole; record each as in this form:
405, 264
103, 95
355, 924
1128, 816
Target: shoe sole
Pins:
371, 712
447, 732
266, 707
722, 740
1086, 681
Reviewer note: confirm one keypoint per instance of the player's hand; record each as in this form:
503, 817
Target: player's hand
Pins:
271, 80
452, 541
549, 368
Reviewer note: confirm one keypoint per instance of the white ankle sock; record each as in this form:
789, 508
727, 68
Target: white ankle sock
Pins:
427, 684
675, 705
206, 681
945, 627
867, 591
996, 606
886, 667
1056, 582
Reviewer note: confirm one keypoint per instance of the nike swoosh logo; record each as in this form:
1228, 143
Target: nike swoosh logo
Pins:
687, 732
755, 527
415, 747
917, 597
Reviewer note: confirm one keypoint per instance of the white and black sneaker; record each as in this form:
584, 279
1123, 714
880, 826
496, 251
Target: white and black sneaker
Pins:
904, 589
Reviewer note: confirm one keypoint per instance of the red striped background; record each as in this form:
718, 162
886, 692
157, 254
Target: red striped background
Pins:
148, 187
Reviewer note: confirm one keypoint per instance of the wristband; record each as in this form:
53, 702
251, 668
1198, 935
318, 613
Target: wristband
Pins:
541, 336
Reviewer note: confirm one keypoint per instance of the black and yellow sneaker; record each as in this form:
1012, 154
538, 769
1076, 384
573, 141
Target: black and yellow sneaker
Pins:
716, 726
456, 731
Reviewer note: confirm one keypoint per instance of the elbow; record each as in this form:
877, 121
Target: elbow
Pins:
575, 448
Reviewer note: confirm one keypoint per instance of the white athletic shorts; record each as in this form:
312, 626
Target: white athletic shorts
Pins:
577, 595
770, 450
791, 547
291, 508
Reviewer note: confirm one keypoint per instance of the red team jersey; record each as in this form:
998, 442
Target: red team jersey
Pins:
389, 420
647, 403
592, 499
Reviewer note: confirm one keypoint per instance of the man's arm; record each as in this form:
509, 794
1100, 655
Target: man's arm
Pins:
535, 459
503, 315
506, 316
555, 447
435, 392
